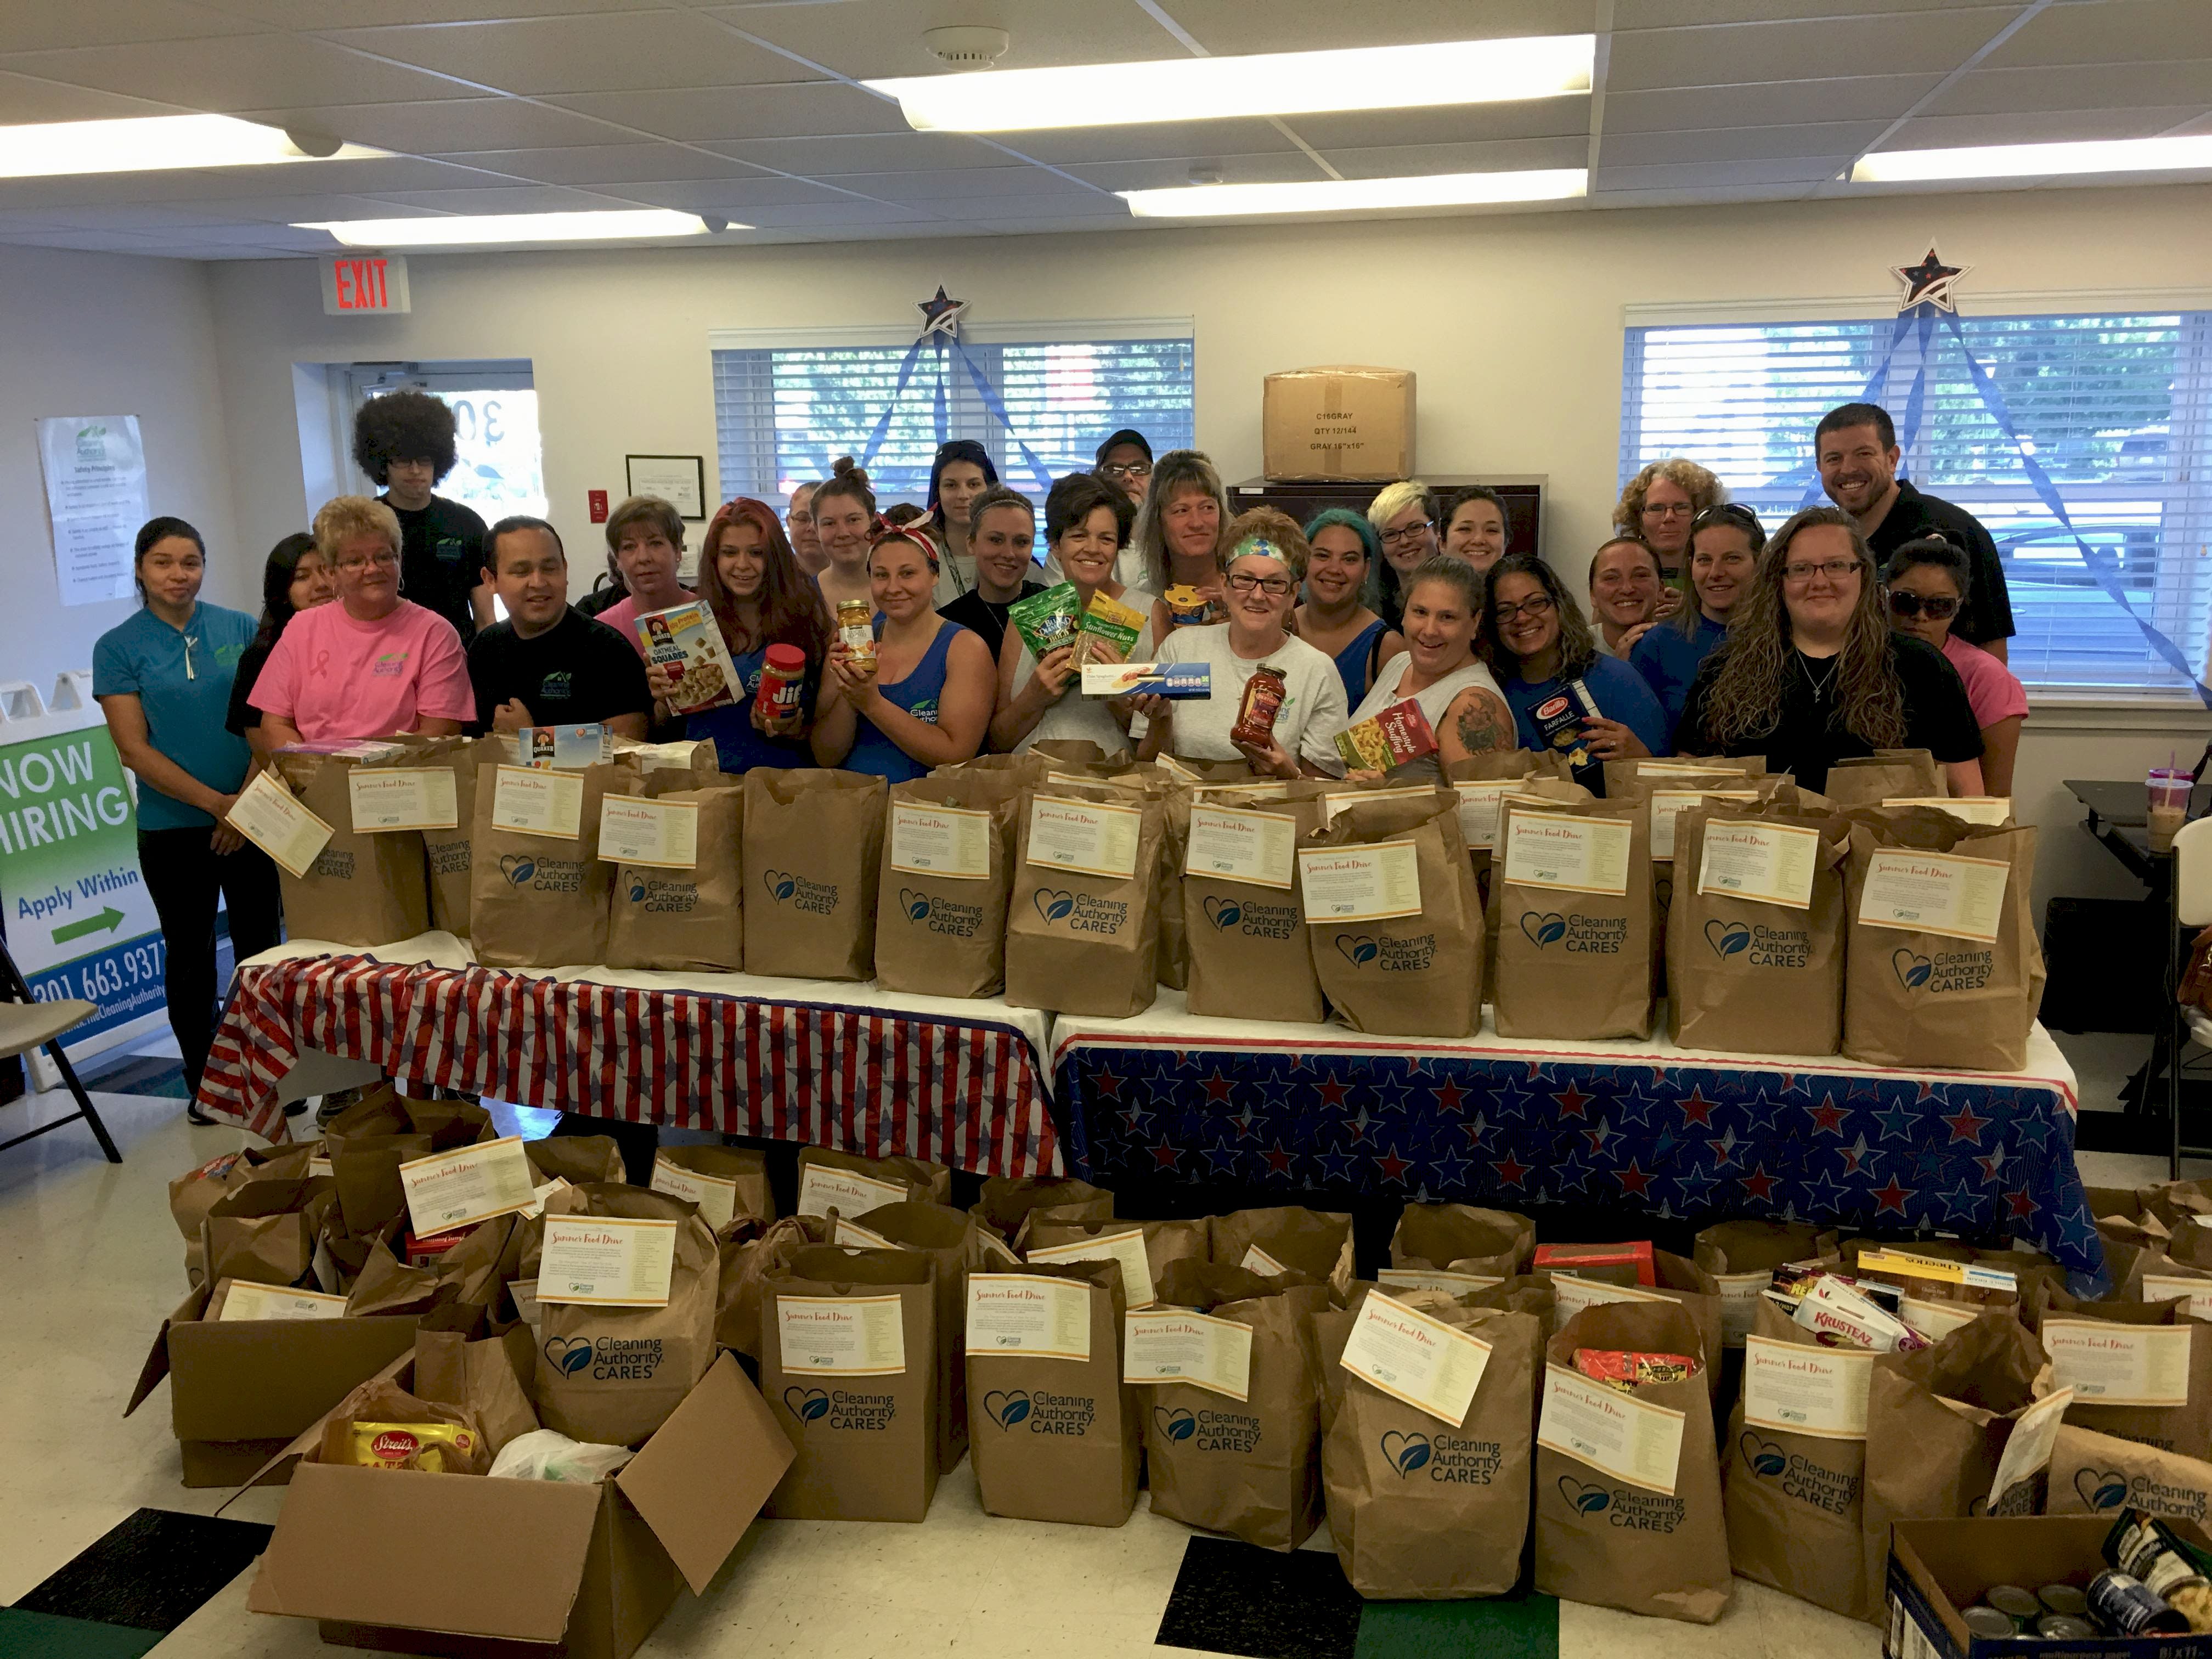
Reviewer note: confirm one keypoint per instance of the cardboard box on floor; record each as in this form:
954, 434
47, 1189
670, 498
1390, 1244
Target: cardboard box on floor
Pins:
406, 1562
240, 1390
1937, 1567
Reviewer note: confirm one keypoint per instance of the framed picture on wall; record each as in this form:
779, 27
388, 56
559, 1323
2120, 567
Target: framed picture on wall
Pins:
679, 478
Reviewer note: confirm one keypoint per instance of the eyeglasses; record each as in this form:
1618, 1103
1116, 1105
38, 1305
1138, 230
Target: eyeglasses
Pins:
1274, 587
386, 560
1533, 607
1671, 510
1934, 608
1834, 569
1408, 535
1133, 469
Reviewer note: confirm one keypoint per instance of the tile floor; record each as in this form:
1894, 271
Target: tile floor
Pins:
89, 1263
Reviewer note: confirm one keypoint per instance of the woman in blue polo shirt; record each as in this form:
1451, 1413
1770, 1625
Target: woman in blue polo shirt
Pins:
163, 680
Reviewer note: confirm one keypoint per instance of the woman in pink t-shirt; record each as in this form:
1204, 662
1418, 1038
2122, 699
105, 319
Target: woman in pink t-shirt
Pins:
1927, 585
374, 663
644, 538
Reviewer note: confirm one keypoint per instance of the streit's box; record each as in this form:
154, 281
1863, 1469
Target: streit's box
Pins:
1344, 421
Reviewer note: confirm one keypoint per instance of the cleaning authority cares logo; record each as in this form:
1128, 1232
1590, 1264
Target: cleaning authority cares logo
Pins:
1251, 920
836, 1408
1759, 947
1946, 970
1450, 1457
1574, 933
605, 1358
1080, 911
815, 897
940, 915
1208, 1431
1799, 1476
1622, 1506
1387, 955
2113, 1489
1041, 1411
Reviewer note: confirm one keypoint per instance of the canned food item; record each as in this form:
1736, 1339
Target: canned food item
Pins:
2066, 1599
856, 629
2016, 1604
2123, 1604
2065, 1627
1988, 1621
1263, 699
2144, 1546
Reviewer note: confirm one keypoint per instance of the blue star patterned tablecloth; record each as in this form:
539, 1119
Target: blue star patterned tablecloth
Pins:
1672, 1133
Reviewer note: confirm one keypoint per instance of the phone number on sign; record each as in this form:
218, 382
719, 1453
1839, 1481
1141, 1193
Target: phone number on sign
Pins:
104, 977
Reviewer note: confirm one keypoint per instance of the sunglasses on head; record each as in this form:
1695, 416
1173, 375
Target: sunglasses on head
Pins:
1936, 609
1726, 512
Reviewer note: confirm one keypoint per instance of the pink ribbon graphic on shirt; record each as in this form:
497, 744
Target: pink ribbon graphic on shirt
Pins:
322, 665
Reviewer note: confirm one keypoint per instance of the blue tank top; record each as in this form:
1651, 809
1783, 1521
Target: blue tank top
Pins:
917, 694
1352, 662
738, 747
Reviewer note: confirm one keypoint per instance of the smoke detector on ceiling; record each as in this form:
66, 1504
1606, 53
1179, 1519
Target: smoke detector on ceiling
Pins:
967, 46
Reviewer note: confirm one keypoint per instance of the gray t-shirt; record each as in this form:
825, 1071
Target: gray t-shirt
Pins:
1306, 726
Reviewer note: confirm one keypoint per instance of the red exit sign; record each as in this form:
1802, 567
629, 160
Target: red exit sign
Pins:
364, 285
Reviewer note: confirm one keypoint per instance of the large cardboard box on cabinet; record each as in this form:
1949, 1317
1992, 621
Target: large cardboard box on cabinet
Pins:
407, 1562
1340, 422
239, 1389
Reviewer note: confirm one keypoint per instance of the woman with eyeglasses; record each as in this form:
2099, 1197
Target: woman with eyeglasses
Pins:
1927, 584
1724, 547
1474, 526
1404, 517
1264, 562
1337, 618
1659, 504
372, 663
1812, 673
1565, 696
1439, 671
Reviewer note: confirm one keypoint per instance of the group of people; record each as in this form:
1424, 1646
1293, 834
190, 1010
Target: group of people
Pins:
1876, 622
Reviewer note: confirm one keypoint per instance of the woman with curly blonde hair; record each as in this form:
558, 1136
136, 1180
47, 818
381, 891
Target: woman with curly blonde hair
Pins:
1812, 673
1658, 504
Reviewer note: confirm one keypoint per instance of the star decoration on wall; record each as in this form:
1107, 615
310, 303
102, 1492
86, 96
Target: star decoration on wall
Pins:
1928, 282
942, 316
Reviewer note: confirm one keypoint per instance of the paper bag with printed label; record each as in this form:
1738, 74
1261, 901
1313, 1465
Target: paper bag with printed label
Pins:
1755, 934
1392, 917
1479, 809
1669, 794
365, 889
1249, 955
576, 1158
1421, 1508
1083, 921
682, 1171
670, 917
449, 851
540, 901
1741, 1257
2139, 1370
1159, 1243
948, 1239
1051, 1428
2093, 1474
1870, 779
195, 1192
613, 1374
1287, 1238
1008, 1204
1628, 1486
1246, 1467
749, 1252
820, 1193
1943, 967
1792, 1494
1487, 863
1938, 1425
947, 869
367, 1142
849, 1340
1461, 1238
813, 843
1575, 921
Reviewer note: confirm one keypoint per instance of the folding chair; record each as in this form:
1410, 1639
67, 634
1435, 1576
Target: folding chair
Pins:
26, 1023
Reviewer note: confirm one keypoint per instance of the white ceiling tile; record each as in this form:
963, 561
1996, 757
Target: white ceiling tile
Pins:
603, 164
1693, 174
2110, 32
850, 210
964, 183
2090, 85
1737, 144
701, 114
192, 184
1858, 98
1511, 155
1705, 195
900, 152
1226, 27
1739, 53
871, 40
497, 198
29, 27
1471, 123
1150, 142
2043, 127
622, 53
1002, 208
1676, 14
25, 99
1287, 167
447, 126
251, 72
277, 211
733, 198
351, 13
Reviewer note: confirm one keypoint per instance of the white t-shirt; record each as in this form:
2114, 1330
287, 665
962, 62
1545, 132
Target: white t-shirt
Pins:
1436, 703
1313, 712
1076, 715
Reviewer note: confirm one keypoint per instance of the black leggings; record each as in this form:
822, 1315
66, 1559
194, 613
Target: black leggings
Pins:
182, 876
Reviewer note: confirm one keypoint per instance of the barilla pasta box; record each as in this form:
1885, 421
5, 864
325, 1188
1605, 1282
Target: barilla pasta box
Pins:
1177, 680
1397, 734
687, 637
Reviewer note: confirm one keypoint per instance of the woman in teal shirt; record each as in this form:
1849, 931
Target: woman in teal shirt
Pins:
163, 680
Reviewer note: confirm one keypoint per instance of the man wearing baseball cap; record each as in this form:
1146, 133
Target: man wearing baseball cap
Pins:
1125, 460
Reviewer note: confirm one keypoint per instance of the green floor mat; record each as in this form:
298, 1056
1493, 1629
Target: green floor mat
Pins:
1523, 1626
47, 1636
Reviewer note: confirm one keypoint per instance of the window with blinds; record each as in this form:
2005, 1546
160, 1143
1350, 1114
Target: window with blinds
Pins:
785, 411
2113, 407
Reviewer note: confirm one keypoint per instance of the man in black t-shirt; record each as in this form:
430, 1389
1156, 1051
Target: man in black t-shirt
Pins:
1855, 448
405, 441
546, 665
1001, 533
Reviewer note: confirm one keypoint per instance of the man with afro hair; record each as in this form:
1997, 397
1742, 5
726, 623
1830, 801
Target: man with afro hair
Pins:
404, 441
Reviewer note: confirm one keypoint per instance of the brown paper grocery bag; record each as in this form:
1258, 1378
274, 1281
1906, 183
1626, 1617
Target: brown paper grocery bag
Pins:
919, 1178
266, 1231
1870, 779
613, 1375
1543, 787
1288, 1237
749, 1252
483, 1378
1417, 974
539, 900
866, 1440
2065, 1325
1165, 1243
1249, 951
1057, 1439
1462, 1238
1572, 963
1248, 1467
741, 1165
363, 890
813, 841
948, 1239
1748, 975
680, 920
2093, 1474
1741, 1257
1008, 1204
940, 931
1617, 1543
1419, 1509
1085, 940
1916, 998
1731, 788
448, 850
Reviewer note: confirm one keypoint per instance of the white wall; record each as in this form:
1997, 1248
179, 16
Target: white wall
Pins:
106, 334
1513, 324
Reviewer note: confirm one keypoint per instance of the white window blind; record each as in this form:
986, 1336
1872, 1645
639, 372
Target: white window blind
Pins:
785, 411
2114, 407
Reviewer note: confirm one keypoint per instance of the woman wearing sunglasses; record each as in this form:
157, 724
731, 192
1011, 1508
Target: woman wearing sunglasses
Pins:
1927, 582
1725, 541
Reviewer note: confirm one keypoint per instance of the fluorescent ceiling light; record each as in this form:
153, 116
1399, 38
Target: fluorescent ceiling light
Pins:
1353, 195
463, 230
1272, 83
2034, 160
153, 143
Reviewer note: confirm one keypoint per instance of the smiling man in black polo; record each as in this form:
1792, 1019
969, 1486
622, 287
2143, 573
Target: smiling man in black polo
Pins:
548, 663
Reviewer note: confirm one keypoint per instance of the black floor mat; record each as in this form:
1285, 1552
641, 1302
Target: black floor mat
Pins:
152, 1572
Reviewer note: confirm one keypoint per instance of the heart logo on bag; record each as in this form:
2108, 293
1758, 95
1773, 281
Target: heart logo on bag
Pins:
1662, 891
807, 1405
2101, 1490
1405, 1452
637, 889
1543, 927
1727, 938
1913, 968
781, 884
518, 867
1764, 1457
1007, 1406
1583, 1498
1054, 904
916, 905
569, 1354
1223, 913
1176, 1425
1357, 948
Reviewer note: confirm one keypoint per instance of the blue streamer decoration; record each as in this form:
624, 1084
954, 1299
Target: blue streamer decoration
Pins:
1876, 388
940, 414
940, 409
997, 408
883, 421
